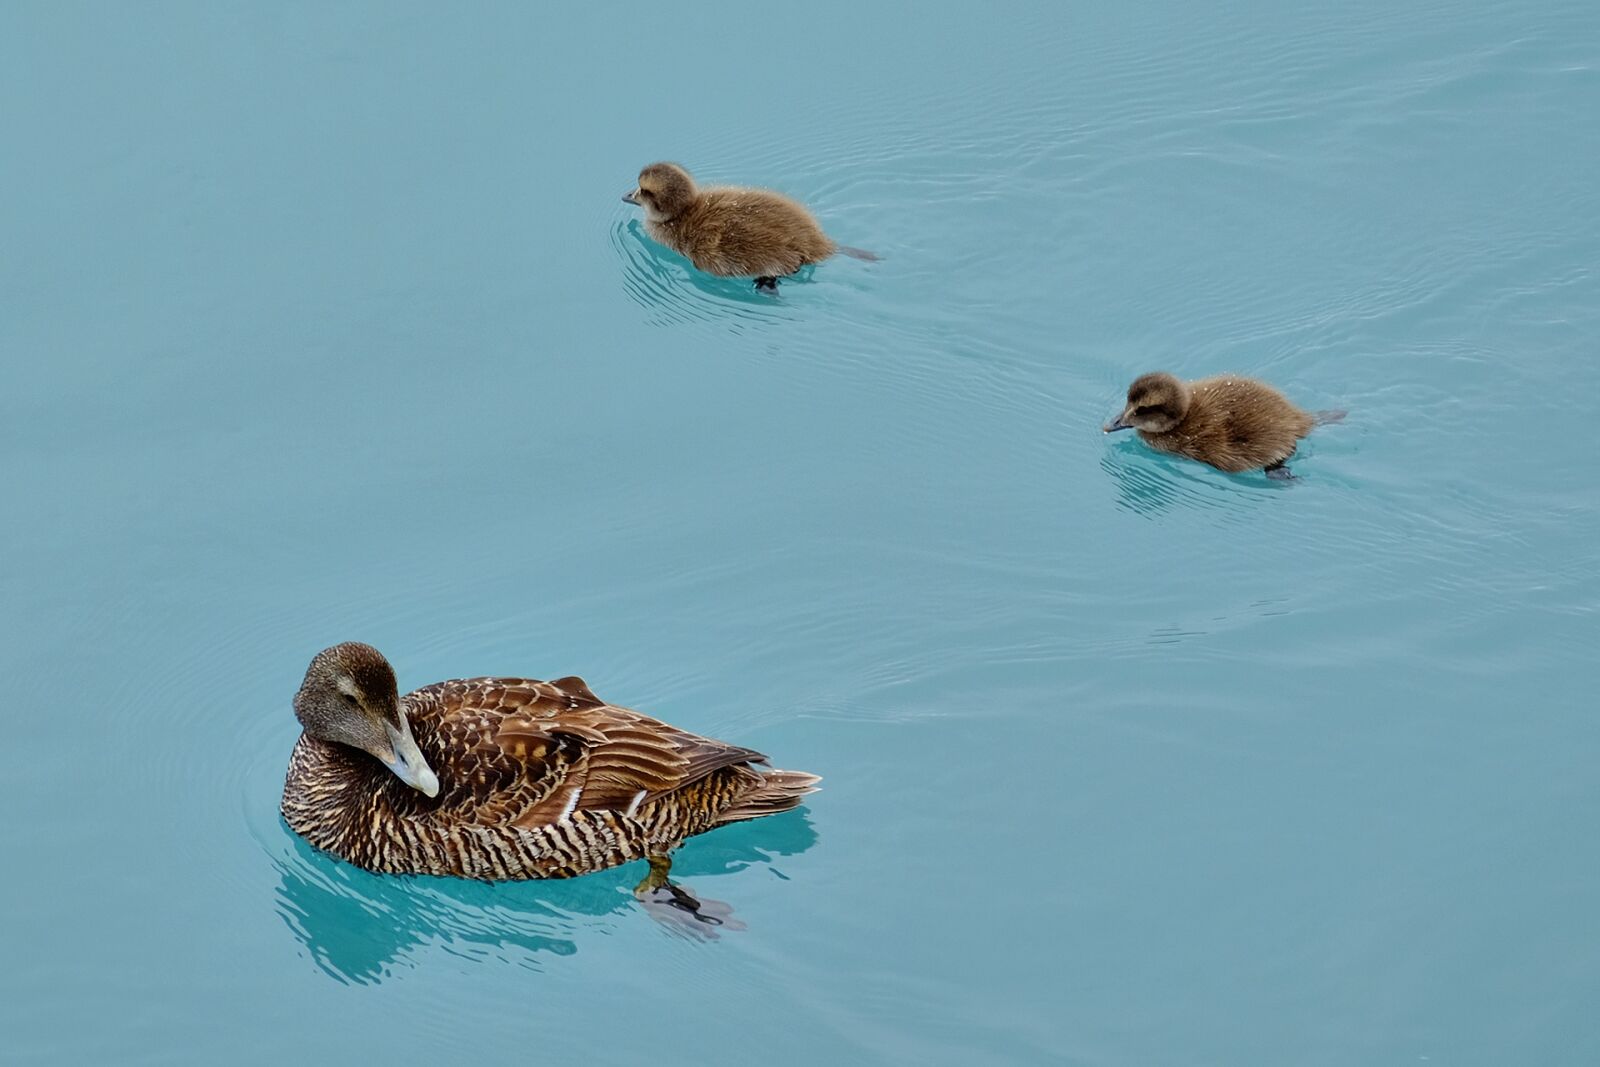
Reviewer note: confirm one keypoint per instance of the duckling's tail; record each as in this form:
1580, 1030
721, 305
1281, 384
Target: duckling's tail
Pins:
859, 253
1322, 418
779, 791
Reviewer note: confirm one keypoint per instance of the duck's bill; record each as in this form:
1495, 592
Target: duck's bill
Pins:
1119, 423
408, 763
631, 198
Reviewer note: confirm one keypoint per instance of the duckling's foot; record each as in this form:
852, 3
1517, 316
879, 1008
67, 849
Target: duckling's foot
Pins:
768, 282
656, 888
1280, 472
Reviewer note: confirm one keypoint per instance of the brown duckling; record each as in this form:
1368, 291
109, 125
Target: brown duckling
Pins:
507, 778
729, 230
1233, 423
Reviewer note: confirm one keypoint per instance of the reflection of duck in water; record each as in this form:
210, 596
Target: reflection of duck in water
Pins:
358, 926
506, 778
1235, 424
730, 230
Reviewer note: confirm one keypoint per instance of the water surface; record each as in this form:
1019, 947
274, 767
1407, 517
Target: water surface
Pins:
325, 323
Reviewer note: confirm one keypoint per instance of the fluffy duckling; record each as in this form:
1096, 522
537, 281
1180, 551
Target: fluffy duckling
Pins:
1235, 424
507, 778
729, 230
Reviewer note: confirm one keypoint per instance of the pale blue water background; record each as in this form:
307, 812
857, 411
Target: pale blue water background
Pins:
324, 322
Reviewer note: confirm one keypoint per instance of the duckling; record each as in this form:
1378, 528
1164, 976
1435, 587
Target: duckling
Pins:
1235, 424
507, 778
729, 230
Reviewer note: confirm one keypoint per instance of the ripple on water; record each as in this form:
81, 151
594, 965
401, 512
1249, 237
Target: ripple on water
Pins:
1151, 483
673, 292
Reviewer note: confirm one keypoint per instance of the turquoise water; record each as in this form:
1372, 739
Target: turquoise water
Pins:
326, 323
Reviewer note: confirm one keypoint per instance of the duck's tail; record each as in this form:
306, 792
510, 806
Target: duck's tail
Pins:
779, 791
1322, 418
859, 253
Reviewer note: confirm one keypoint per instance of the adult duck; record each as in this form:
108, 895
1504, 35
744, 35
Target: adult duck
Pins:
506, 778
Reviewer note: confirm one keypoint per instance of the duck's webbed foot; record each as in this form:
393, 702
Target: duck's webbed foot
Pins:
656, 888
660, 868
767, 282
1280, 471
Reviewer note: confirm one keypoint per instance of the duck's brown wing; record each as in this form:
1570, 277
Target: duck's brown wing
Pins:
527, 753
486, 779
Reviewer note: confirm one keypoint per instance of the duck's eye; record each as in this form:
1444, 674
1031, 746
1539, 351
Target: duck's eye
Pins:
350, 698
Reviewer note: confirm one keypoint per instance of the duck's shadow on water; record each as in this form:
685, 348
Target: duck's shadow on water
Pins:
672, 290
360, 927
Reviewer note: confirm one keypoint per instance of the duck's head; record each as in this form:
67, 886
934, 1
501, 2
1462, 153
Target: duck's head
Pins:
664, 191
349, 697
1157, 402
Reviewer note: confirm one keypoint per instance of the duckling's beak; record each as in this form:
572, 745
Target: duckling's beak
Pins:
407, 762
631, 198
1119, 423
